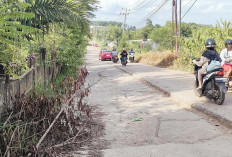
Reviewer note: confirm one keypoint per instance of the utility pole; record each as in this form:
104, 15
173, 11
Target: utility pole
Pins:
173, 5
180, 19
179, 22
125, 13
176, 26
174, 17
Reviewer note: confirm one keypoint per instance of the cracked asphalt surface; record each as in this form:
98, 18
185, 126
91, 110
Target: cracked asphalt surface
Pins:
167, 128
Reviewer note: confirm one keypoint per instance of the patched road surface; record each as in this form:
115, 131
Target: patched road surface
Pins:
166, 128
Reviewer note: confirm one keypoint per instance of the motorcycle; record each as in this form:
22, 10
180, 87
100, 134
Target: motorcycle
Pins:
124, 61
131, 58
115, 59
213, 85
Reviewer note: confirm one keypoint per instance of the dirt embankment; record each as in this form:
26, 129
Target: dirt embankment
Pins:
160, 59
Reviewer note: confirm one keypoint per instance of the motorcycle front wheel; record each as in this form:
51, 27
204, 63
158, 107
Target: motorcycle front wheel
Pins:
221, 96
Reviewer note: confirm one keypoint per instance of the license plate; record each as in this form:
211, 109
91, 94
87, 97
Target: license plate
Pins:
223, 79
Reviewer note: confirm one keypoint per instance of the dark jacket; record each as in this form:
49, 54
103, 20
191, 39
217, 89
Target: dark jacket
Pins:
206, 58
212, 55
124, 53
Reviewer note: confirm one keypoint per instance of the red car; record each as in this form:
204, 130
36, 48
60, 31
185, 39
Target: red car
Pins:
105, 54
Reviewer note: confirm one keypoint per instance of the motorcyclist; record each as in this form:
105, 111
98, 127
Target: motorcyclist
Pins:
123, 54
208, 55
114, 53
226, 56
131, 51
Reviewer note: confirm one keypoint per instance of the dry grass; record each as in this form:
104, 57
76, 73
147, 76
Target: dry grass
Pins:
160, 59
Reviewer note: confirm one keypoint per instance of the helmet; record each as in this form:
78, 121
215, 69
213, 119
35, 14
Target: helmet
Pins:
210, 43
124, 49
131, 49
228, 42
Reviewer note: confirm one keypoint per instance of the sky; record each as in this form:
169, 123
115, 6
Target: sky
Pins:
202, 12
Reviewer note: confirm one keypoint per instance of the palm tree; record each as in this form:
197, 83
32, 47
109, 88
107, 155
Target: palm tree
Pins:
50, 12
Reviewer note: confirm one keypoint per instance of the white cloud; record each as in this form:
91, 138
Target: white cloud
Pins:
204, 11
214, 8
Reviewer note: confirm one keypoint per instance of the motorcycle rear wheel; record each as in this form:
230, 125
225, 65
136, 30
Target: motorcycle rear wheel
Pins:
123, 63
221, 98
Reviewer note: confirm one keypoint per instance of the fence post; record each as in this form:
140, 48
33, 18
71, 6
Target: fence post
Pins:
43, 53
33, 67
6, 86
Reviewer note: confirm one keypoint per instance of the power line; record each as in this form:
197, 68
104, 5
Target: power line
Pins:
150, 2
165, 11
143, 20
146, 17
139, 4
189, 9
166, 8
187, 4
163, 3
134, 5
153, 12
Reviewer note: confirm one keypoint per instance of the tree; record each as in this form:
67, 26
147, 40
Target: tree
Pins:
144, 32
114, 33
51, 12
163, 36
186, 30
132, 28
149, 23
13, 33
157, 26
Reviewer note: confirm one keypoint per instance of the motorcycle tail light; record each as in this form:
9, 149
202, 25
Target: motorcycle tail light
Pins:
220, 73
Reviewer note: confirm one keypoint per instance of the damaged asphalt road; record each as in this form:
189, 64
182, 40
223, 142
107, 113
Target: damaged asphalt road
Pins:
166, 128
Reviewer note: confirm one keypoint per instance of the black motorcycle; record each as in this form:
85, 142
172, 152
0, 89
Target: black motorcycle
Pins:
124, 61
132, 57
213, 85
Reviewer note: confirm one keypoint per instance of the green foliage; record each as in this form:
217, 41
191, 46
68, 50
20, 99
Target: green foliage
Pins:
195, 44
72, 48
145, 31
56, 11
21, 21
149, 23
135, 45
124, 40
140, 34
186, 30
13, 41
163, 36
113, 33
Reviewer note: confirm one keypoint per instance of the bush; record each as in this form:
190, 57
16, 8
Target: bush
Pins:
195, 45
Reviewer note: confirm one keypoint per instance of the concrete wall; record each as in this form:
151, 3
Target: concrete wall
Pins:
25, 84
